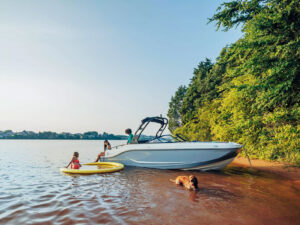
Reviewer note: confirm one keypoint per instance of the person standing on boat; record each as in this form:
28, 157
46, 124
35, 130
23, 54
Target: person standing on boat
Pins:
107, 146
129, 132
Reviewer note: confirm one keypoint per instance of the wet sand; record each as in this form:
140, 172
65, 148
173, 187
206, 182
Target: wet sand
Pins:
282, 169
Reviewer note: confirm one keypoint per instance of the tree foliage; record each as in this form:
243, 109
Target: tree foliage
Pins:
196, 93
236, 12
251, 94
174, 107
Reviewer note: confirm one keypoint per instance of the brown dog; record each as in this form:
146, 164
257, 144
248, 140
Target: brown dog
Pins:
189, 182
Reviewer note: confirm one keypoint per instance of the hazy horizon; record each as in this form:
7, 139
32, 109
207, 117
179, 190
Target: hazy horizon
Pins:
76, 66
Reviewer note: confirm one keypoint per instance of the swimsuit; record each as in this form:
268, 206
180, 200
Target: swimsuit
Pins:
75, 164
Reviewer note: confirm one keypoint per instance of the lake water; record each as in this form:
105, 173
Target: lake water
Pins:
34, 191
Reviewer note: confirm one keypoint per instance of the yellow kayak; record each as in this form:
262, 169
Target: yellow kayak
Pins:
103, 167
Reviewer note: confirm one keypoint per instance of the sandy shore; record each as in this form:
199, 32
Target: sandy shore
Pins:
284, 170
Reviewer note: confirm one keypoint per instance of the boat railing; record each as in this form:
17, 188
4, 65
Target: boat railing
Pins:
117, 146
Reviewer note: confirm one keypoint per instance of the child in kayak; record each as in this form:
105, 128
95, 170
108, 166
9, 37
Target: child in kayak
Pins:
107, 146
74, 161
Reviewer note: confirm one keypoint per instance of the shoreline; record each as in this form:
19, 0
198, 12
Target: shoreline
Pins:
285, 170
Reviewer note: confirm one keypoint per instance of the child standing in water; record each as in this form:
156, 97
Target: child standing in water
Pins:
74, 161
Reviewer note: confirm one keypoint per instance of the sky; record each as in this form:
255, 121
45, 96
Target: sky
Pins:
77, 66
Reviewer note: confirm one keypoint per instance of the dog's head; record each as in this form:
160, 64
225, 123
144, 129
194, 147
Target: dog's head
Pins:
193, 182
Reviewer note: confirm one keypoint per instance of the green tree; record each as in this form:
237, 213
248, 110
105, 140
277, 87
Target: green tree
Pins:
260, 100
174, 107
237, 12
196, 91
251, 94
207, 78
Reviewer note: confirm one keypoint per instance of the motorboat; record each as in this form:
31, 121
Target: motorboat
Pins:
172, 152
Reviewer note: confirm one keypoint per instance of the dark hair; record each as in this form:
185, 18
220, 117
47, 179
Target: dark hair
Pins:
128, 131
105, 140
75, 154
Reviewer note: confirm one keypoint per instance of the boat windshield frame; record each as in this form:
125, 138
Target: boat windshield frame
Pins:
163, 124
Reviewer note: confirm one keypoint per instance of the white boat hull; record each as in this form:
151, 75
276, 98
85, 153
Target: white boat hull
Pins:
183, 155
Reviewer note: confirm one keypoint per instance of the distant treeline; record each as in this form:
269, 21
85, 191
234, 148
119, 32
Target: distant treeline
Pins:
251, 94
90, 135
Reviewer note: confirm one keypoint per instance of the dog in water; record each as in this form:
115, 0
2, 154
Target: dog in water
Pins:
189, 182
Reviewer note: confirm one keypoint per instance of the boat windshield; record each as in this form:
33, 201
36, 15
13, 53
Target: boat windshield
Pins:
166, 139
